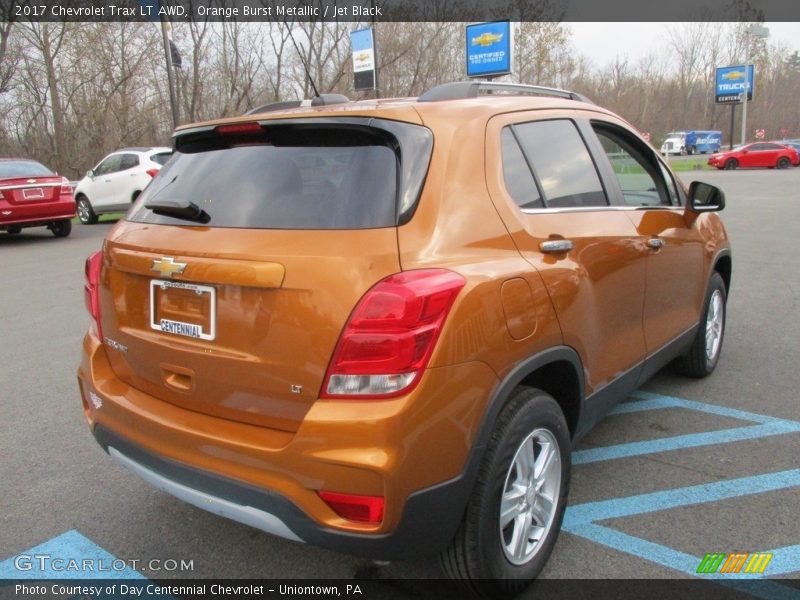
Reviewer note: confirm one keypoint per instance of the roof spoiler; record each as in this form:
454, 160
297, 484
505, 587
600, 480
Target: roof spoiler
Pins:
321, 100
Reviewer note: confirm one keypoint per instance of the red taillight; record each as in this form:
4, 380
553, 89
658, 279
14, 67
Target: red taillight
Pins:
239, 129
366, 509
152, 172
90, 290
390, 335
66, 188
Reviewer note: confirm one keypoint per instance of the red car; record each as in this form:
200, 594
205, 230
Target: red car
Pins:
31, 195
759, 154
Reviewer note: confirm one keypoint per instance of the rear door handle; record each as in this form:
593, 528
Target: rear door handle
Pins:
556, 246
655, 243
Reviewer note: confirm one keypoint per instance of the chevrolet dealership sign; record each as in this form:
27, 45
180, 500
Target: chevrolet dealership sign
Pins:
732, 81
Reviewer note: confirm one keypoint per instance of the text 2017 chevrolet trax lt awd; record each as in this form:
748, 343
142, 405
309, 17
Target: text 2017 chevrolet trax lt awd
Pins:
380, 326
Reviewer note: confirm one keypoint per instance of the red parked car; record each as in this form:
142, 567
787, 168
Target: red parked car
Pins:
31, 195
759, 154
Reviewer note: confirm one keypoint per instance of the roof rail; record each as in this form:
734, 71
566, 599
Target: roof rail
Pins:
321, 100
326, 99
273, 106
470, 89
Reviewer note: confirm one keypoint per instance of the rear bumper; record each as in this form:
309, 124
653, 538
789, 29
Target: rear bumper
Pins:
413, 451
36, 214
428, 523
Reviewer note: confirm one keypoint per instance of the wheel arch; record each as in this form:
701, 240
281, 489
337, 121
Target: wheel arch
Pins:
723, 264
557, 371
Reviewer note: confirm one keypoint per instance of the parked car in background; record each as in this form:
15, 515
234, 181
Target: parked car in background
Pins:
31, 195
758, 154
114, 184
791, 143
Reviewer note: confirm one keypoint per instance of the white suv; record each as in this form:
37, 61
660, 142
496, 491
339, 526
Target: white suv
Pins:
117, 180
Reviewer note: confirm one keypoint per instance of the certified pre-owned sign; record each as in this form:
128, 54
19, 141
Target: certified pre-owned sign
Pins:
730, 82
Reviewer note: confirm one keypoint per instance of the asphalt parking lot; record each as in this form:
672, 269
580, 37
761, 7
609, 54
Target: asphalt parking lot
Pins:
684, 468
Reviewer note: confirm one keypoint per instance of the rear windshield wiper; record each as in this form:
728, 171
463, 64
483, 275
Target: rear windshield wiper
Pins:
180, 209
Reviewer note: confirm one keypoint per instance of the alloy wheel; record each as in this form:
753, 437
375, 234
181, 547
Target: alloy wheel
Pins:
530, 494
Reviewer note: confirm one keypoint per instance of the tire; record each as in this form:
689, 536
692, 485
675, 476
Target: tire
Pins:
85, 211
61, 228
14, 229
485, 555
135, 195
783, 163
703, 355
731, 164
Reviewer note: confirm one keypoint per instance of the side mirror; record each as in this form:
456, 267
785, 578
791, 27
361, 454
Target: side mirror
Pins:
704, 197
90, 174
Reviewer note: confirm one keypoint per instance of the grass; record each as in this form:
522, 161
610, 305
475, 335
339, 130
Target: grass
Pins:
103, 218
694, 164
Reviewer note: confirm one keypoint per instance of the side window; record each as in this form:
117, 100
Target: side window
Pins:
128, 162
109, 165
643, 179
561, 164
517, 174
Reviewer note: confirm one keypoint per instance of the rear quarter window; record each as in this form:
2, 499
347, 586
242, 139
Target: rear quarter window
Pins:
561, 163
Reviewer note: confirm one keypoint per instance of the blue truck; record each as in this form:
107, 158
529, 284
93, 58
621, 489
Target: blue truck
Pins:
692, 142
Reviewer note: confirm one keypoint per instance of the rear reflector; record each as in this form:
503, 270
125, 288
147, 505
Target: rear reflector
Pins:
365, 509
391, 334
239, 129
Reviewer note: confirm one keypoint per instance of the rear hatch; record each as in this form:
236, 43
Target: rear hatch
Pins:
226, 288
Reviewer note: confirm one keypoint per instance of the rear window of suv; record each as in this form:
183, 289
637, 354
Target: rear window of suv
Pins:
161, 157
286, 177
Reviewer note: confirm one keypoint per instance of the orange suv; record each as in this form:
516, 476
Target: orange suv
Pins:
381, 326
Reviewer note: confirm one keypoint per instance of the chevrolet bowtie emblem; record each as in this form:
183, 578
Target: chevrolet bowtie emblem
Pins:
167, 266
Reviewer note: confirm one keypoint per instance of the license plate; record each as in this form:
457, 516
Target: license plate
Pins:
33, 193
183, 309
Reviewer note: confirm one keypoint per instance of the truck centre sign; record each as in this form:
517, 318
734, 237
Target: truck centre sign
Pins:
730, 82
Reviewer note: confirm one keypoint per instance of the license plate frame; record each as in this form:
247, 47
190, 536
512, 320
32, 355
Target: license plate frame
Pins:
175, 327
35, 193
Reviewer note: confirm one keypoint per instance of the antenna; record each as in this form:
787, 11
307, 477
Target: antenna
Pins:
302, 61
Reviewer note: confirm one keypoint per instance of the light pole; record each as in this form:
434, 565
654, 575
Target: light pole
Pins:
758, 31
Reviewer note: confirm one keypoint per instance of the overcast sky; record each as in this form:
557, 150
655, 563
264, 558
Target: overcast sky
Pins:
602, 42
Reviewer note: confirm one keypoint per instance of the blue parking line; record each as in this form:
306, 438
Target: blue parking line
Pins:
584, 519
645, 401
715, 409
63, 557
615, 508
646, 404
680, 442
687, 563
